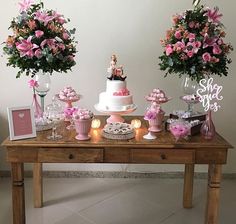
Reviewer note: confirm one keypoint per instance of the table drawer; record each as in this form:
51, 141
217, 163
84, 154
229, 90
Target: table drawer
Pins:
70, 155
167, 156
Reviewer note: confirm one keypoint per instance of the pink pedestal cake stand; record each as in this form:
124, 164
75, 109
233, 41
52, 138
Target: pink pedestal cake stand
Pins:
115, 116
67, 101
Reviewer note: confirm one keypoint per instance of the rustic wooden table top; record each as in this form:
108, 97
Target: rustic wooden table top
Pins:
164, 139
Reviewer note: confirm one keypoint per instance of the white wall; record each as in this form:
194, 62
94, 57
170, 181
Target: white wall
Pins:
131, 29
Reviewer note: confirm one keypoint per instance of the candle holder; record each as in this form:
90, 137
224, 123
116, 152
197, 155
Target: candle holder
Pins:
136, 123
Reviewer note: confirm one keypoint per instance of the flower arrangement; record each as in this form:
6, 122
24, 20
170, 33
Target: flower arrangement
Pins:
152, 112
39, 41
195, 44
83, 114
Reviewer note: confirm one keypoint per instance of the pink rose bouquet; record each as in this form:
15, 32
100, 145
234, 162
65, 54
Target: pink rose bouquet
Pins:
40, 41
195, 44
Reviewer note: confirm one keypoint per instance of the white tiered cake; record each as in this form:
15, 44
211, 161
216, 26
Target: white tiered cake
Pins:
116, 97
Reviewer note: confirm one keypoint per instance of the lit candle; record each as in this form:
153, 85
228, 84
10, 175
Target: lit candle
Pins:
136, 123
96, 123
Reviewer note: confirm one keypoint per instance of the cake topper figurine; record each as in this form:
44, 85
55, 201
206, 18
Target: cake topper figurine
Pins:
115, 73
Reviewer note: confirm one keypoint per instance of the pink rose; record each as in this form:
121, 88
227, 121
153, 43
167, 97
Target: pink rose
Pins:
178, 35
191, 37
179, 46
39, 33
38, 53
169, 49
65, 35
216, 49
190, 53
206, 57
198, 44
191, 24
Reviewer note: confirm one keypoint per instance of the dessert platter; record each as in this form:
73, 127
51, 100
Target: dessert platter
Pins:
116, 100
118, 130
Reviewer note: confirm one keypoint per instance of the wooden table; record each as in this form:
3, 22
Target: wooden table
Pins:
163, 150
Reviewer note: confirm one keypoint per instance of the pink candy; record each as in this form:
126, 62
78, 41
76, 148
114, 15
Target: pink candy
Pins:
83, 114
157, 96
68, 93
180, 130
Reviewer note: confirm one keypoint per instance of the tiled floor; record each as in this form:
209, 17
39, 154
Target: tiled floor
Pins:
117, 201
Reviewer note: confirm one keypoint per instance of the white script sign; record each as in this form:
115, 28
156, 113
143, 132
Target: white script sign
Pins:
209, 94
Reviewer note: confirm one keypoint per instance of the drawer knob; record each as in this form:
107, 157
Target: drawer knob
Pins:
71, 156
163, 156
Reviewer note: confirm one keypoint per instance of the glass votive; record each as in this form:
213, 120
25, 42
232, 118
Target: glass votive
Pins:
96, 123
136, 123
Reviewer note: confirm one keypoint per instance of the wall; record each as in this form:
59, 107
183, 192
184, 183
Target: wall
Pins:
131, 29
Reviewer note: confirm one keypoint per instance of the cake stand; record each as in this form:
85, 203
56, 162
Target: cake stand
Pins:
190, 103
68, 101
115, 116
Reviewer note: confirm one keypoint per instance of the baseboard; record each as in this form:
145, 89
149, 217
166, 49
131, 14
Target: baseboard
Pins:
115, 174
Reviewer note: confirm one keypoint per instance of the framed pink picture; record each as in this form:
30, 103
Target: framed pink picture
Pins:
21, 122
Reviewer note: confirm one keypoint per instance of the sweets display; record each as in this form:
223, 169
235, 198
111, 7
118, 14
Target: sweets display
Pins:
158, 96
68, 93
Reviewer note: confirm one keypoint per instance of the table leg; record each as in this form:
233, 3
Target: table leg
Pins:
213, 193
18, 193
38, 185
188, 186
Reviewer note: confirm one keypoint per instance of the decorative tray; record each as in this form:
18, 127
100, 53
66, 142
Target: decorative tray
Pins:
119, 131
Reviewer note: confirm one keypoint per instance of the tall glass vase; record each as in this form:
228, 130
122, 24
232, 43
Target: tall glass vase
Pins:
208, 127
188, 85
44, 83
189, 88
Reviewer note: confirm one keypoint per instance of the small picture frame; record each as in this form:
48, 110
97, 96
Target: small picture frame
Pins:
21, 122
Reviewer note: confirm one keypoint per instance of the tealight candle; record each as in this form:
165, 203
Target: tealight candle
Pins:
96, 123
136, 123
